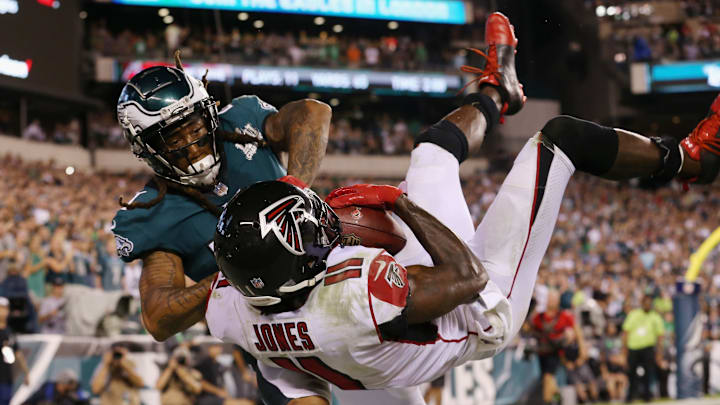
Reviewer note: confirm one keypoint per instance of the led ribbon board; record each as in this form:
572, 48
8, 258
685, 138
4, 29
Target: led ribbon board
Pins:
676, 77
319, 79
433, 11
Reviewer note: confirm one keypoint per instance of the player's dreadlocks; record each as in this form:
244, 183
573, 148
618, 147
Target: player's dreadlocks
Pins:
193, 192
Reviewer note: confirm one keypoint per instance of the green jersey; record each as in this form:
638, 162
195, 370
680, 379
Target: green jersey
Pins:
643, 329
179, 225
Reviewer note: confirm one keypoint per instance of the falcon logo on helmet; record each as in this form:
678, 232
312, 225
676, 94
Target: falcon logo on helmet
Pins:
276, 233
282, 218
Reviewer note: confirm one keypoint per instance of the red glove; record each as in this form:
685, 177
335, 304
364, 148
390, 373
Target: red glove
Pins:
294, 181
364, 195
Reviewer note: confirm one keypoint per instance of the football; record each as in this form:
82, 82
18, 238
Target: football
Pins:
371, 227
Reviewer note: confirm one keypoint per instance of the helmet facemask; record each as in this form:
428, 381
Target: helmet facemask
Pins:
156, 102
326, 236
174, 159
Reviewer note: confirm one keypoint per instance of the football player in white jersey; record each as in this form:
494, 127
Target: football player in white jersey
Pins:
316, 313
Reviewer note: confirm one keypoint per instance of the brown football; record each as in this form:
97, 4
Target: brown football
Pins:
371, 227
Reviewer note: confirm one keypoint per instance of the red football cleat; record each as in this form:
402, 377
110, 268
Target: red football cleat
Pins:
499, 67
703, 144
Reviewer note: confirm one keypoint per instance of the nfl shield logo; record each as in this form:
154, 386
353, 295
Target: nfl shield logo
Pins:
350, 240
257, 283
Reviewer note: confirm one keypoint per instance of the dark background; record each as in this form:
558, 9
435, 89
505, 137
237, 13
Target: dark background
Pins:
51, 38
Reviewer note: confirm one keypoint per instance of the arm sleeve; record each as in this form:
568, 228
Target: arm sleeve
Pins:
285, 385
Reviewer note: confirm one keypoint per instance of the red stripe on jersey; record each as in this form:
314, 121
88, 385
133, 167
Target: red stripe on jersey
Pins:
286, 364
336, 278
437, 339
210, 290
372, 314
346, 263
223, 283
319, 368
532, 218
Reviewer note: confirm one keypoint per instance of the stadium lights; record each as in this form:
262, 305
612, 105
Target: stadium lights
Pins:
334, 102
258, 24
168, 19
393, 25
337, 28
243, 16
69, 170
319, 20
163, 12
646, 9
83, 15
600, 11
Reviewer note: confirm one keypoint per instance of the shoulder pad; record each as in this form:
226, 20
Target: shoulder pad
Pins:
246, 113
141, 230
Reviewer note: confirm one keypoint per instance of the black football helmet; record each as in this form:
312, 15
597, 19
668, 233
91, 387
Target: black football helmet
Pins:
272, 240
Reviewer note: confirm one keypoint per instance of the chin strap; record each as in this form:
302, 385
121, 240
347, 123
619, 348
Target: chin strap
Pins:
264, 301
311, 282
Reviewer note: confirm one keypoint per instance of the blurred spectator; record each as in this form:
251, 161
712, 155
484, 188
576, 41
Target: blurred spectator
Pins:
213, 387
435, 391
179, 384
575, 359
60, 259
115, 379
613, 363
643, 330
549, 329
111, 266
65, 390
10, 353
119, 321
52, 308
35, 269
34, 132
667, 354
22, 317
245, 378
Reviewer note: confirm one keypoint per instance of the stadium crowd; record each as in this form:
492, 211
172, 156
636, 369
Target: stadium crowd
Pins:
694, 39
609, 250
673, 31
255, 47
381, 135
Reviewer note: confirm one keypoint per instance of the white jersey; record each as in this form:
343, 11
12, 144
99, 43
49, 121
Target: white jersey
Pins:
350, 331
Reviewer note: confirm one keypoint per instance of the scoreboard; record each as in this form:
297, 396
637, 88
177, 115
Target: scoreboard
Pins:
40, 46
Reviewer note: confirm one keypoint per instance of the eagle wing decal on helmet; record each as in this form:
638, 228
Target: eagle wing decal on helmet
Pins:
282, 218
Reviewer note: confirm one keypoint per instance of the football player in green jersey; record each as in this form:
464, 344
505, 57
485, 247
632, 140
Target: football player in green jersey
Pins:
201, 157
